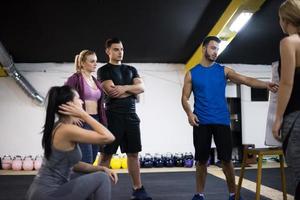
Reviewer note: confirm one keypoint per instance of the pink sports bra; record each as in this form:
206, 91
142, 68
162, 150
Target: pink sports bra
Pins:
91, 93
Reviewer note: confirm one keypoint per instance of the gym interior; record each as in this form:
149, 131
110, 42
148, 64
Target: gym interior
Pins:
162, 40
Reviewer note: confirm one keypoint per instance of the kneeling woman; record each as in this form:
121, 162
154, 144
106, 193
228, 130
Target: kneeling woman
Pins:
62, 154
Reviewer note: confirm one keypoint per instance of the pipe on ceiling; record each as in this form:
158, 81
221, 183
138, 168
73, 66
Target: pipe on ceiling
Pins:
8, 64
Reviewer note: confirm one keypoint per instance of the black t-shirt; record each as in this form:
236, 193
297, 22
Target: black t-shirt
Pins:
120, 75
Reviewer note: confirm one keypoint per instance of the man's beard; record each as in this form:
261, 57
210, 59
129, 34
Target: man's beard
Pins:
207, 56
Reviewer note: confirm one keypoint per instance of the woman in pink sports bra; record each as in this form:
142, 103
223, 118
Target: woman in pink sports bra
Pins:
90, 93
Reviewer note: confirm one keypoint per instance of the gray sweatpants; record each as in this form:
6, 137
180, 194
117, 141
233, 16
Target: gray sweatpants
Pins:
292, 155
96, 185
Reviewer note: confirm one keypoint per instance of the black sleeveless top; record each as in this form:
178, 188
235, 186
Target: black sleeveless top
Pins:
294, 101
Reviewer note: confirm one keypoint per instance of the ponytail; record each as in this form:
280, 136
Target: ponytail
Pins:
81, 58
77, 63
49, 122
56, 97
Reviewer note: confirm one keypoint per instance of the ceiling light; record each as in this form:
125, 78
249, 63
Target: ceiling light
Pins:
240, 21
223, 44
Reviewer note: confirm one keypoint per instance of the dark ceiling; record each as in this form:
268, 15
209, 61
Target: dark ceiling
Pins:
152, 31
258, 41
164, 31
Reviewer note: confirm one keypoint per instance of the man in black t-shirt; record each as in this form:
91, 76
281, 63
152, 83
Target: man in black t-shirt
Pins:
122, 84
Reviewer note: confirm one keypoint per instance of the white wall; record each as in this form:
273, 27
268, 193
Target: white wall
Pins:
163, 122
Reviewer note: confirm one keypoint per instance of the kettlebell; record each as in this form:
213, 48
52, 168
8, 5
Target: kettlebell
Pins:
168, 160
27, 163
124, 162
188, 160
6, 162
17, 163
148, 160
178, 160
157, 160
38, 162
115, 162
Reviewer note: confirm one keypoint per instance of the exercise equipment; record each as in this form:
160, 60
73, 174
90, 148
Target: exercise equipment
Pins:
168, 160
178, 160
158, 160
188, 160
124, 162
6, 162
27, 163
147, 161
17, 163
115, 162
97, 160
37, 163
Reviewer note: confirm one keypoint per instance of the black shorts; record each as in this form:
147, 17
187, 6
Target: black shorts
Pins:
202, 136
126, 129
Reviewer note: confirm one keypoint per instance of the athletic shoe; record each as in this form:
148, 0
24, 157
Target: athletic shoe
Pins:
140, 194
198, 197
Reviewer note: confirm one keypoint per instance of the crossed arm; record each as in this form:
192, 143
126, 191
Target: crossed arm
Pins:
122, 91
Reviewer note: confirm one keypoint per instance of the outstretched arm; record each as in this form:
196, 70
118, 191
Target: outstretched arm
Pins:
186, 93
249, 81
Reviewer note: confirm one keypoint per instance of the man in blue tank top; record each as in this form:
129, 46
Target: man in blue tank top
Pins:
210, 117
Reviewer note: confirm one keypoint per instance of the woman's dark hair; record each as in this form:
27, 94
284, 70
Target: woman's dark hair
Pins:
55, 97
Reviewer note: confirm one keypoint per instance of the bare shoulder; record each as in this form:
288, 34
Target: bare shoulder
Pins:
67, 129
188, 76
228, 70
290, 41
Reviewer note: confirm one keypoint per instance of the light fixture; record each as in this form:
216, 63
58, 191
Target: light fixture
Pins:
240, 21
223, 44
234, 18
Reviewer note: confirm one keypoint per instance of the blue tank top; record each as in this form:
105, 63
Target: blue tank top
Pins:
208, 85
